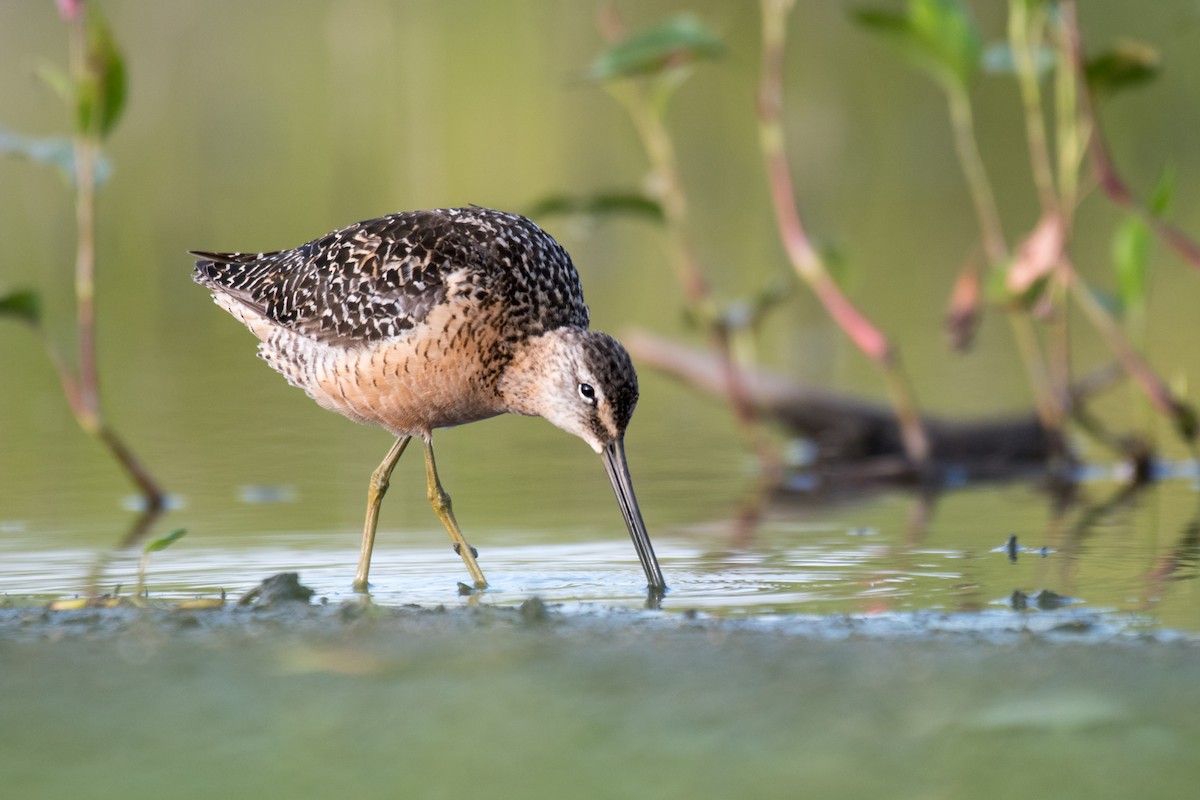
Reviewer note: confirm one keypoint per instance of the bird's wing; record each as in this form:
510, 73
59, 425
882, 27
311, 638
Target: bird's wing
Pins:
369, 281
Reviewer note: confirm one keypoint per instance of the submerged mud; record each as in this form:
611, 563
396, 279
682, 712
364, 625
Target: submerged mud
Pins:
263, 614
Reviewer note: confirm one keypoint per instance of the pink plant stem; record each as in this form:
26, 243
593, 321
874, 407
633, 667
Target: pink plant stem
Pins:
803, 256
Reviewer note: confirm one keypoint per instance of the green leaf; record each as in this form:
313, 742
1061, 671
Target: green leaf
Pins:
937, 36
54, 151
1131, 257
601, 204
1132, 243
882, 21
947, 27
56, 79
23, 304
1126, 65
681, 40
844, 270
1160, 198
997, 290
165, 542
995, 285
998, 60
100, 90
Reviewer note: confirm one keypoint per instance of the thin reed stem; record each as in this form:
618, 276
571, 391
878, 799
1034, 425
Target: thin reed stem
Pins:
83, 391
962, 123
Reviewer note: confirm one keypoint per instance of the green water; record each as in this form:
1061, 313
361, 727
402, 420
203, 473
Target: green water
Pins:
594, 708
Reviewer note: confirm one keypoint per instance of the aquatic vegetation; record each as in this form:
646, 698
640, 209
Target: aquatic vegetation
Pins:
94, 89
1033, 279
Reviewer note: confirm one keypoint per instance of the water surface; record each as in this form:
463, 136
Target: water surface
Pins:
1135, 560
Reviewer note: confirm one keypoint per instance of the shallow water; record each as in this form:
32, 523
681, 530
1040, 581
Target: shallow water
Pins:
1136, 561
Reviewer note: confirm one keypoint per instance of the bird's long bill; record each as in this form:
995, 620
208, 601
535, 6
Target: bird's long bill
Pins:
618, 473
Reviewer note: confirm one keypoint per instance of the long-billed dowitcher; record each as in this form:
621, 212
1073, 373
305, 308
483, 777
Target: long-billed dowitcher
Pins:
429, 319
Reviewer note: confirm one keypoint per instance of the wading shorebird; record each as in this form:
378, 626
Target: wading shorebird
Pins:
430, 319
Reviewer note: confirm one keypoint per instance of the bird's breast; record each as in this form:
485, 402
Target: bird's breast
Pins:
437, 375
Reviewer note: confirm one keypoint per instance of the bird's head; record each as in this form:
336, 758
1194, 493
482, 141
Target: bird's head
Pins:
582, 381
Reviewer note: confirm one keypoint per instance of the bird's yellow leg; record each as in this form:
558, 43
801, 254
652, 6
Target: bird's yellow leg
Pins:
441, 506
380, 480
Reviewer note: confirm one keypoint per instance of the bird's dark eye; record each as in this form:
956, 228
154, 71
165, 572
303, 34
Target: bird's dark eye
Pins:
587, 392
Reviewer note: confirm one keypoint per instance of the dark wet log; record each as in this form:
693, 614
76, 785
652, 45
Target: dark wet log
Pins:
850, 431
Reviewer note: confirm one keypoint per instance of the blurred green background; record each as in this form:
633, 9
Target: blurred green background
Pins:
262, 125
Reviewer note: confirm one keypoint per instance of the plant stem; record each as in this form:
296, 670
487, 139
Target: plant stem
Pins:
143, 565
88, 411
83, 394
1049, 409
962, 122
1159, 394
1025, 38
1071, 133
803, 256
660, 151
1026, 31
1157, 390
1079, 133
1101, 159
647, 116
85, 283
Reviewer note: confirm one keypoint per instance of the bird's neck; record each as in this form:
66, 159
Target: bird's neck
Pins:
531, 379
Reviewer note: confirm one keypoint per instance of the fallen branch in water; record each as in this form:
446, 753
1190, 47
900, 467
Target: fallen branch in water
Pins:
856, 438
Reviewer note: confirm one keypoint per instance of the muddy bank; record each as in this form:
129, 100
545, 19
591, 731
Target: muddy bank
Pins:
28, 623
282, 605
